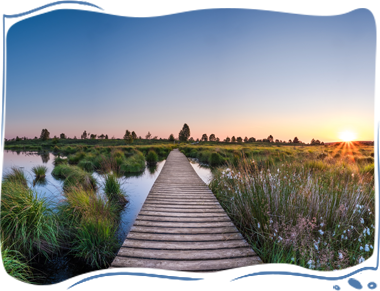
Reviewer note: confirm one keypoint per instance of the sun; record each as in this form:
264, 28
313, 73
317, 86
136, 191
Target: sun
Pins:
347, 136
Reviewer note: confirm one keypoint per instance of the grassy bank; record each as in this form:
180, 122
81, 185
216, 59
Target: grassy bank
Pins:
315, 210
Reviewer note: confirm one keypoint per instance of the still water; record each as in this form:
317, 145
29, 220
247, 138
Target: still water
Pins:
135, 186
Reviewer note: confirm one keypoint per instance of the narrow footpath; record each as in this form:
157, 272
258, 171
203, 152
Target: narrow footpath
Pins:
182, 227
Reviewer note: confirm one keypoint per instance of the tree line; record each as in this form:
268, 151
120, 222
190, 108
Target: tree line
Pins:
183, 136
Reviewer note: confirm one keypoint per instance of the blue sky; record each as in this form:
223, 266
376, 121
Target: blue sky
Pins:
223, 71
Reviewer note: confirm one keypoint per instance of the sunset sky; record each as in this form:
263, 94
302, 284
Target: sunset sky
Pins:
223, 71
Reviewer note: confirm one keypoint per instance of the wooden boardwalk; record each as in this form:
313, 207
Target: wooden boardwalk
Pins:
182, 226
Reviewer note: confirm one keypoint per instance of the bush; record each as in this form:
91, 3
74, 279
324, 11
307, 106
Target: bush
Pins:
216, 159
133, 164
152, 157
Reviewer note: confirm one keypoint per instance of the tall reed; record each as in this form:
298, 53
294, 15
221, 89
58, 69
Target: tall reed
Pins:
320, 217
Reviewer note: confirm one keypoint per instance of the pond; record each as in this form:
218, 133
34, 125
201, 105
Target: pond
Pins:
137, 188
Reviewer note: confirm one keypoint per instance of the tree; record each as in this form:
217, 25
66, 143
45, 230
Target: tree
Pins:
252, 139
233, 139
127, 134
93, 136
312, 141
102, 136
246, 139
17, 138
204, 137
171, 137
148, 136
239, 139
227, 139
184, 134
84, 135
191, 139
277, 141
212, 137
270, 138
290, 141
217, 139
134, 135
295, 140
106, 136
62, 136
155, 137
45, 134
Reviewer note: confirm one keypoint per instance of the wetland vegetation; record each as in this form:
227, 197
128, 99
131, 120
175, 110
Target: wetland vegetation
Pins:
310, 205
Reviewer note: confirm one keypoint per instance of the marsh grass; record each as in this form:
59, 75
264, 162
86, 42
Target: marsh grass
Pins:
113, 190
318, 216
16, 175
28, 224
90, 224
15, 264
39, 171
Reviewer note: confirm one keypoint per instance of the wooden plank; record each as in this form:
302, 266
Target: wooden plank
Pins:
179, 206
179, 202
183, 230
186, 254
182, 219
182, 224
183, 210
167, 245
196, 265
183, 237
182, 214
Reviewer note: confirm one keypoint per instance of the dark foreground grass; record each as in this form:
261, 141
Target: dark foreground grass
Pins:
28, 224
15, 264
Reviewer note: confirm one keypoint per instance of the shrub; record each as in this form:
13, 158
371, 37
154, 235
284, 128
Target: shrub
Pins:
152, 157
216, 159
133, 164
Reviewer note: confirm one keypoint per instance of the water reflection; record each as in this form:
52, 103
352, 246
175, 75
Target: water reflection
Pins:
204, 171
45, 156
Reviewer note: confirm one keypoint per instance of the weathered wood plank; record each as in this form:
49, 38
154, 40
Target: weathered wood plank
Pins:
186, 254
183, 230
167, 245
183, 214
182, 219
197, 265
183, 210
184, 237
183, 224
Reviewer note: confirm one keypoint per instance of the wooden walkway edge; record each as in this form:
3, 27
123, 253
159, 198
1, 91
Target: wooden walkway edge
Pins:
182, 227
